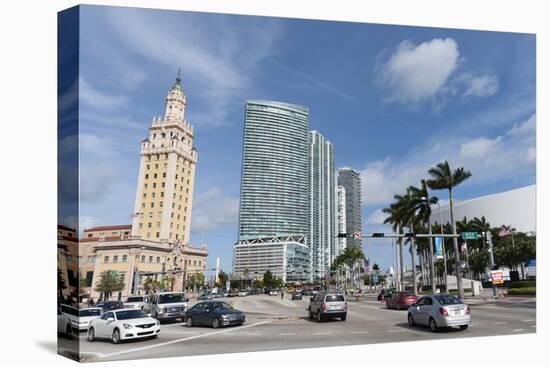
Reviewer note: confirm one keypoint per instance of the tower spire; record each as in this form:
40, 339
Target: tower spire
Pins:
178, 77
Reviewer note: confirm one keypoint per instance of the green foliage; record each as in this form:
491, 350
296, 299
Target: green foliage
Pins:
268, 279
222, 278
109, 281
522, 284
257, 283
527, 291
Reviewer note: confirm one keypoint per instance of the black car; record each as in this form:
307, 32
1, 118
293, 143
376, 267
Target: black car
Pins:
307, 292
296, 295
110, 305
213, 313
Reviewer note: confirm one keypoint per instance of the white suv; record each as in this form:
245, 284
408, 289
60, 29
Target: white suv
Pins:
167, 305
135, 302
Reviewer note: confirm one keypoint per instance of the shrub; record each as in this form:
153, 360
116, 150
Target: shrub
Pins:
526, 291
523, 284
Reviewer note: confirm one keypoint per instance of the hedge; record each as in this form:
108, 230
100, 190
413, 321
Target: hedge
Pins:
526, 291
523, 284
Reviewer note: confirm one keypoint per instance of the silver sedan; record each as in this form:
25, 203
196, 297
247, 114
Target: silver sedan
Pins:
437, 311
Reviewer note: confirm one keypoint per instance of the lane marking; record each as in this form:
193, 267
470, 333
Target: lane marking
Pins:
359, 332
500, 322
108, 355
323, 333
284, 334
518, 330
528, 320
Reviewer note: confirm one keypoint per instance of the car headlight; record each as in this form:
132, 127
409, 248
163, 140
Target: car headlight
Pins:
127, 326
74, 322
225, 316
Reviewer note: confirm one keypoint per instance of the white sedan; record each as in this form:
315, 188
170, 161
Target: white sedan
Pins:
123, 324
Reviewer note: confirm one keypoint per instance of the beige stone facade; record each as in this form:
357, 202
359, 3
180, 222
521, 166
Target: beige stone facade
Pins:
135, 259
164, 191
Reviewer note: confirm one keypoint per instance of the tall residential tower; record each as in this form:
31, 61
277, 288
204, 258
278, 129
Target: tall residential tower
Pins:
273, 218
322, 216
350, 180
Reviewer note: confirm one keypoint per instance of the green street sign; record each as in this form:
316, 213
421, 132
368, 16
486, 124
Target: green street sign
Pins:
470, 235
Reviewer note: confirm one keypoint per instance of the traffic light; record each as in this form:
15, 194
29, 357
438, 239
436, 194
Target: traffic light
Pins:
378, 235
409, 235
342, 235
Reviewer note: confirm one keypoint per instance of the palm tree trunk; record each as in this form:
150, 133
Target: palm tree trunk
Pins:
413, 255
455, 247
401, 262
431, 252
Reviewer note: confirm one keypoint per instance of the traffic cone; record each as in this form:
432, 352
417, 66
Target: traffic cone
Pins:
382, 299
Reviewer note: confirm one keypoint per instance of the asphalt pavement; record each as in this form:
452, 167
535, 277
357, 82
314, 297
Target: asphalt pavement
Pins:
274, 324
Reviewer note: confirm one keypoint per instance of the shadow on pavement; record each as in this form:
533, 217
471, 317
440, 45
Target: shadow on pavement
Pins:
426, 329
48, 345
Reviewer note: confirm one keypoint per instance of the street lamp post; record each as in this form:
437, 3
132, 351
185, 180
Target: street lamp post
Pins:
444, 250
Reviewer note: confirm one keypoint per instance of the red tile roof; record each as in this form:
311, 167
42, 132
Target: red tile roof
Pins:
108, 228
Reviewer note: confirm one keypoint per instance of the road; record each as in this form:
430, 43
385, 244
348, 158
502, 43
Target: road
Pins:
274, 324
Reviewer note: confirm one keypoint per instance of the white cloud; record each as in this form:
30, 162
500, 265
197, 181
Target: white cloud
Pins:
489, 158
416, 73
481, 86
212, 210
97, 99
377, 217
219, 67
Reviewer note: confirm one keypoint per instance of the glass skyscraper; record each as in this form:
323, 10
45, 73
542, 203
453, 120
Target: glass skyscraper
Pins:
322, 191
350, 180
274, 186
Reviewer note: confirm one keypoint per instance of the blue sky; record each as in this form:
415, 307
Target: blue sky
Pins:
394, 101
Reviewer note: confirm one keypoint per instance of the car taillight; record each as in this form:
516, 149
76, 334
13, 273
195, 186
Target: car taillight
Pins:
443, 311
467, 310
323, 306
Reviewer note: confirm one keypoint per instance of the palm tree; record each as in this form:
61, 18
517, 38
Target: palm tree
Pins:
395, 218
442, 177
422, 205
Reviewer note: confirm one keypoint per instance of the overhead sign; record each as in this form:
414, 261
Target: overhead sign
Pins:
438, 243
497, 277
470, 235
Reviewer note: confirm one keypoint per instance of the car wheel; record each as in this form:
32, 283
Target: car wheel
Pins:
411, 320
433, 325
189, 321
319, 316
215, 323
91, 334
69, 332
115, 338
343, 318
310, 315
463, 327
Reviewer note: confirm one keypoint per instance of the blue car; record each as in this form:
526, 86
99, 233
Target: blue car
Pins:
213, 313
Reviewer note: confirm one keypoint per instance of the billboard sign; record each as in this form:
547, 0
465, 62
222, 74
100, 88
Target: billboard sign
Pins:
438, 243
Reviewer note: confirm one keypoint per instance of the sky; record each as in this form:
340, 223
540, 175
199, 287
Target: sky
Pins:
393, 100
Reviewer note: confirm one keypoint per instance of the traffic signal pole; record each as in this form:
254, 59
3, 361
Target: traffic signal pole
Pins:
489, 238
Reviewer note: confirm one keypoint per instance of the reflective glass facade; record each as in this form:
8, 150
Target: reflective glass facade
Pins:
274, 186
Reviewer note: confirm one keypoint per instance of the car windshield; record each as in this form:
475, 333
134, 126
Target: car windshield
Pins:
171, 298
134, 299
130, 314
92, 312
334, 298
221, 306
448, 300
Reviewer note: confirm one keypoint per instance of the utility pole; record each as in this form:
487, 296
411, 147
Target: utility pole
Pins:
489, 238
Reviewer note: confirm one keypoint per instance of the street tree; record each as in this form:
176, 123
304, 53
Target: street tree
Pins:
422, 205
443, 178
109, 281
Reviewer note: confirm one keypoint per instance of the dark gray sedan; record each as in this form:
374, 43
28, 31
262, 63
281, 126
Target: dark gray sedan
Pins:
213, 313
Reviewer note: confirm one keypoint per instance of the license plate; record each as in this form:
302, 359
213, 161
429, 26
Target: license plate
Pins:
457, 313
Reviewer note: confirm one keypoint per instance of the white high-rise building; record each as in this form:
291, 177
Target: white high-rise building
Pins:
341, 243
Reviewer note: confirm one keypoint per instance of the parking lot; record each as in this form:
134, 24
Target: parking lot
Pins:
274, 324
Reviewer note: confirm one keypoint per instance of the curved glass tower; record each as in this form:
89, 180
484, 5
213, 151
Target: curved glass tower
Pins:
274, 187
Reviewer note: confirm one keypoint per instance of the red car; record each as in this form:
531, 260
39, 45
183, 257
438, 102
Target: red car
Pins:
401, 300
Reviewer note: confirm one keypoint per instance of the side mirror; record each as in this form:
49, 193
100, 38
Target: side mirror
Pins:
110, 319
